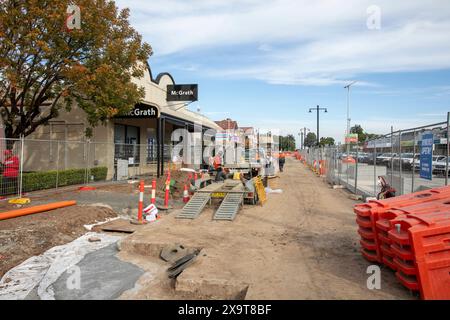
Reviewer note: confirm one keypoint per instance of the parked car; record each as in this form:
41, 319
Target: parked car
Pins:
384, 158
439, 166
435, 161
363, 157
407, 161
371, 159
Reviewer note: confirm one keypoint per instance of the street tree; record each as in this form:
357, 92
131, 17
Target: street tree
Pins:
328, 141
310, 140
287, 143
362, 134
46, 68
357, 129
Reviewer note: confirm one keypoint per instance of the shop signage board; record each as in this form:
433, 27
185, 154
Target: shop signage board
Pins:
426, 156
182, 92
351, 138
141, 111
407, 143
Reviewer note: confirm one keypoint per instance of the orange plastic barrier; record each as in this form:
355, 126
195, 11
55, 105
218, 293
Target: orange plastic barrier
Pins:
322, 167
367, 214
412, 237
421, 245
35, 209
385, 224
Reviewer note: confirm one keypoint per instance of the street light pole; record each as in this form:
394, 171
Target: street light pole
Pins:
318, 109
348, 114
304, 135
301, 140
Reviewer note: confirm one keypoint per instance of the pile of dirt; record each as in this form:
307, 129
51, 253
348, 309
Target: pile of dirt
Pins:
180, 178
27, 236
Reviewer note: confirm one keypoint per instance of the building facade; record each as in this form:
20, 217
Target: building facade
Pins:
141, 138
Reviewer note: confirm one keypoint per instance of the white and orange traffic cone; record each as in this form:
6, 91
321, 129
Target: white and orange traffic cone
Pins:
167, 194
141, 201
153, 198
185, 194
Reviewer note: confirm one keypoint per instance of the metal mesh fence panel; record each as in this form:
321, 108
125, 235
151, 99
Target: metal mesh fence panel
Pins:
395, 156
10, 155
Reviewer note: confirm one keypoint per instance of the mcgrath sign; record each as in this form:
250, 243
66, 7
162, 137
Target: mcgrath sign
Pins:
426, 156
141, 111
182, 92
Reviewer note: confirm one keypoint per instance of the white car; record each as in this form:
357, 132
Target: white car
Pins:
385, 157
439, 166
435, 161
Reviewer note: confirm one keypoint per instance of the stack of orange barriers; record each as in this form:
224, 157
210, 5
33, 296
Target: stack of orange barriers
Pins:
411, 235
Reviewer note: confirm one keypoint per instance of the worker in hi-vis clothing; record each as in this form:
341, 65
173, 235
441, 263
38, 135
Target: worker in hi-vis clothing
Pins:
10, 173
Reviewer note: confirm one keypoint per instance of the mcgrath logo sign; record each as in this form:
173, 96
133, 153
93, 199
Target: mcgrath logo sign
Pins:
142, 111
182, 92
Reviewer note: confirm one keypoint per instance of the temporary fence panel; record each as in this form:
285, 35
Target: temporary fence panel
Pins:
11, 167
31, 165
395, 156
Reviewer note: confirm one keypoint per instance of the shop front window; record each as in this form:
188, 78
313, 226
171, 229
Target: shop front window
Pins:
126, 143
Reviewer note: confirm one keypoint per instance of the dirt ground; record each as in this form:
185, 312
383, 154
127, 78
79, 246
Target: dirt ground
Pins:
302, 244
27, 236
180, 178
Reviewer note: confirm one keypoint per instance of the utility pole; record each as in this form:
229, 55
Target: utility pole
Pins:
303, 134
318, 109
301, 140
348, 115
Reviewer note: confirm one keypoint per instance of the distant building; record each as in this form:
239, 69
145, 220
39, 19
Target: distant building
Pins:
227, 124
409, 141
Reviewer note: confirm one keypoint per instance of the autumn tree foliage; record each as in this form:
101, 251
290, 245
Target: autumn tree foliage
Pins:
46, 68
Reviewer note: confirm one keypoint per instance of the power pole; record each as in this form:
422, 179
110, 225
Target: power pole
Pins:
318, 109
348, 114
301, 140
304, 136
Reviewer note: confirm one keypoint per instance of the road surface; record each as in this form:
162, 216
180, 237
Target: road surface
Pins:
302, 244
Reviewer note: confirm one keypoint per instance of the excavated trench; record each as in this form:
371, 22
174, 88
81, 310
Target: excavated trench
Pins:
193, 283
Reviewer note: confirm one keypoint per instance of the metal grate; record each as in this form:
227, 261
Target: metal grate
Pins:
229, 207
195, 206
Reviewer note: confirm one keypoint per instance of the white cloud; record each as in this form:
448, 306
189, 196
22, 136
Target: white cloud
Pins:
318, 42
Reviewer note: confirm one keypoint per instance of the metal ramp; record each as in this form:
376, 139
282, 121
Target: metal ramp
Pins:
229, 206
193, 208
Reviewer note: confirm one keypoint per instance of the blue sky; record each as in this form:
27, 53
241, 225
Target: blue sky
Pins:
264, 63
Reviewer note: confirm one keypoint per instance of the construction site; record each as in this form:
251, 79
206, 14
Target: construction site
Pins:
283, 248
205, 184
285, 245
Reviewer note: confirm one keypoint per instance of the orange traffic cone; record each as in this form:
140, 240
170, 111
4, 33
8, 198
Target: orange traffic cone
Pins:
153, 198
185, 194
